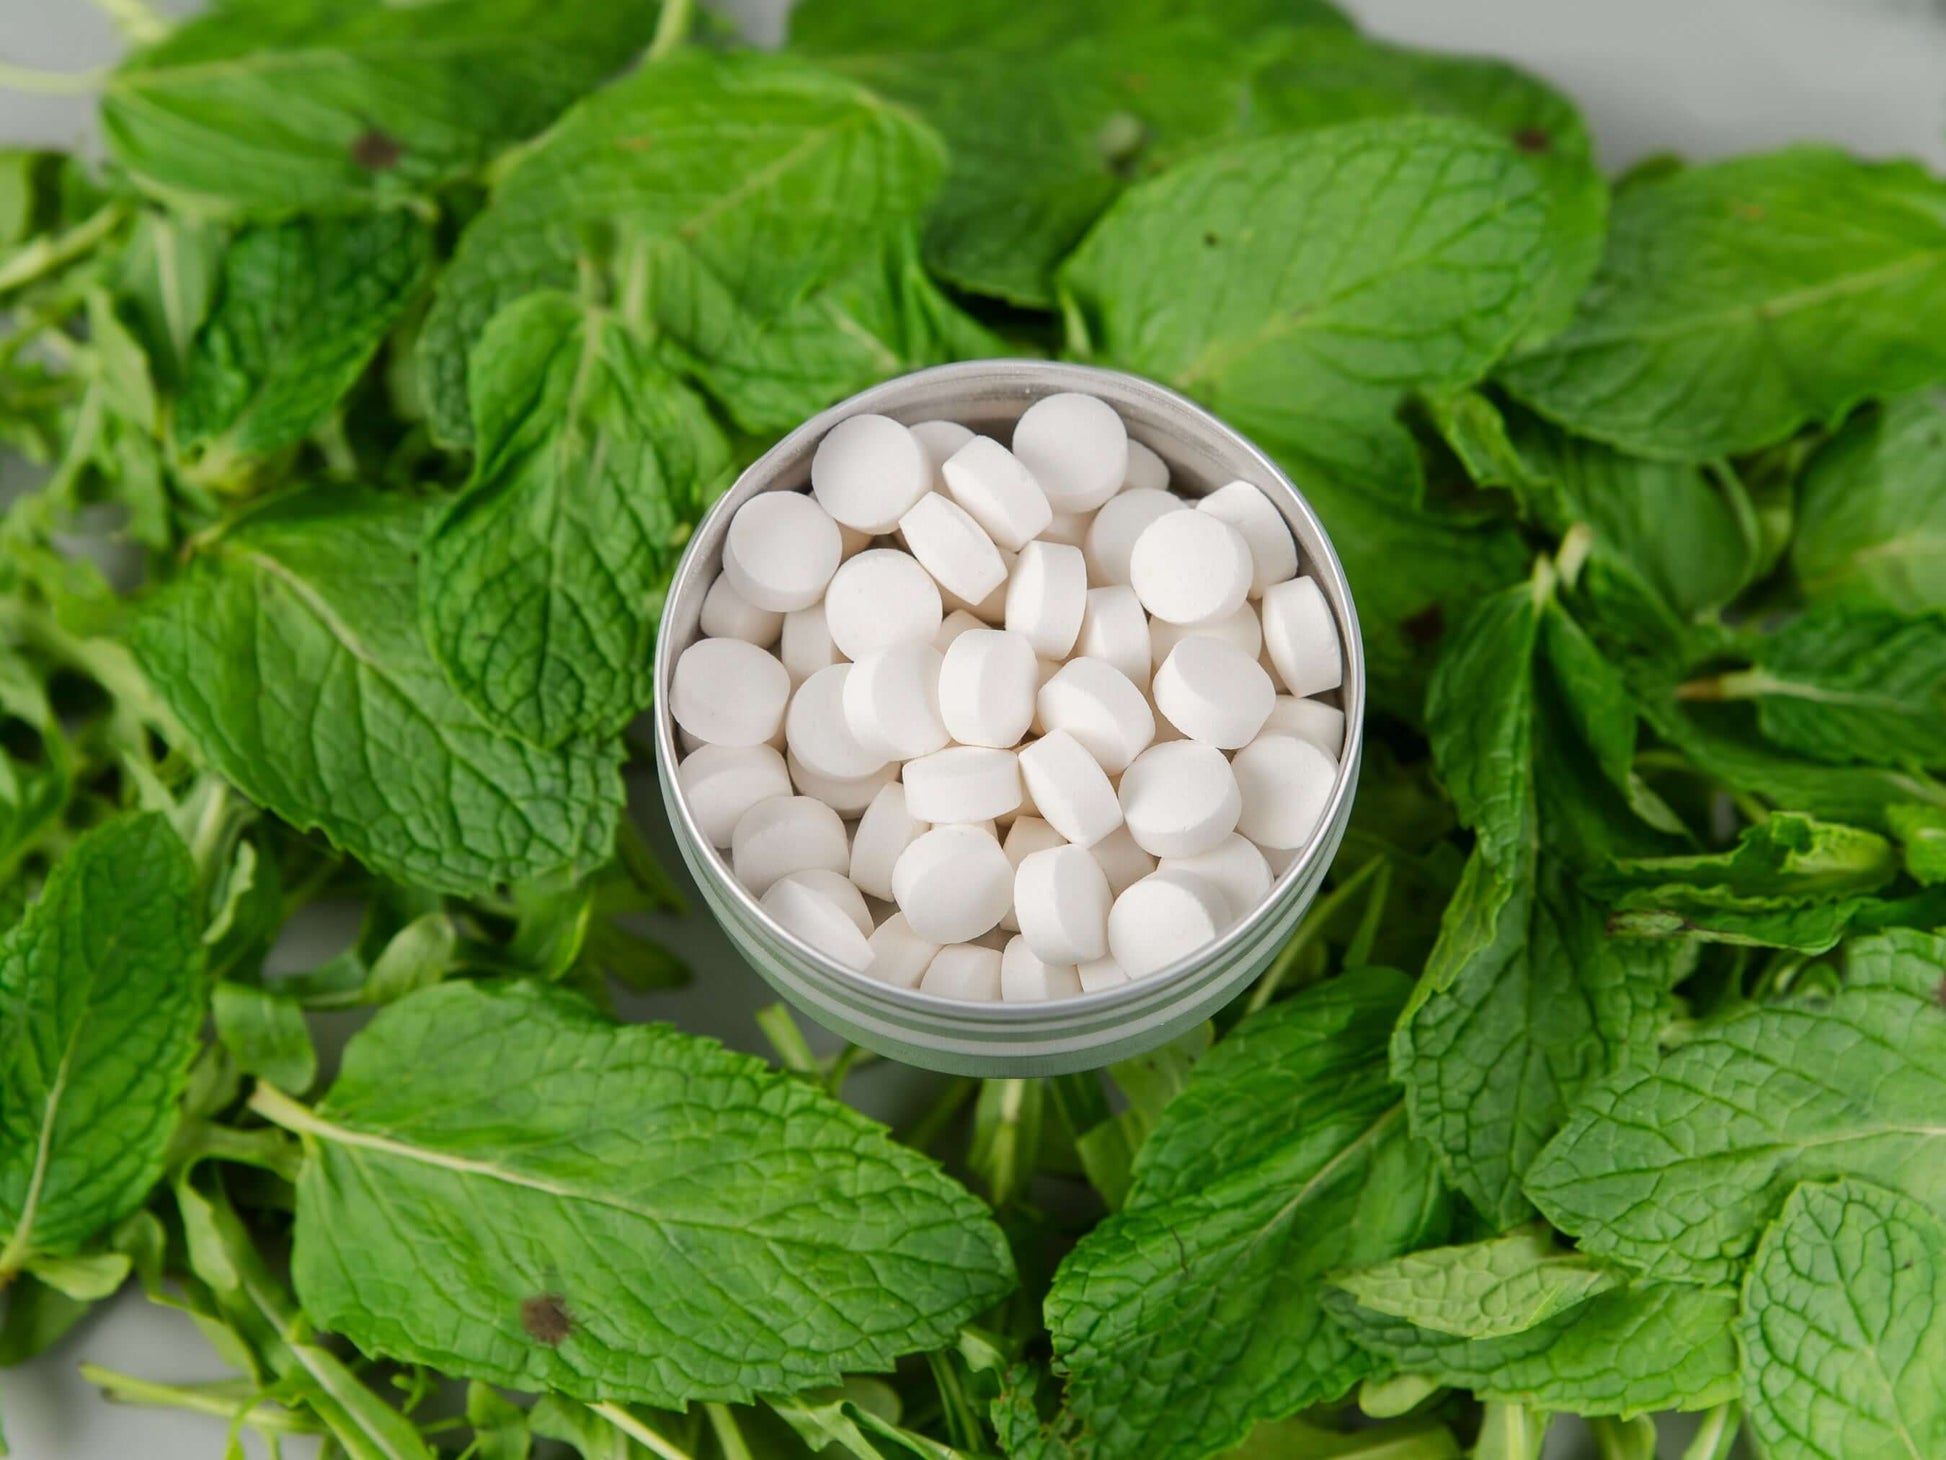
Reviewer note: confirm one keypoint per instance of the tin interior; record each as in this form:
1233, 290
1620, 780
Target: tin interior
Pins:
989, 396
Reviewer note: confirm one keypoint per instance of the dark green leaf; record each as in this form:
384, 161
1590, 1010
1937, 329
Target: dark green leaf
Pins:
1844, 1326
1677, 1167
101, 997
1193, 1313
301, 309
1483, 1289
1740, 300
1626, 1352
1299, 285
715, 194
1848, 686
537, 1225
1871, 511
290, 650
867, 27
276, 106
542, 583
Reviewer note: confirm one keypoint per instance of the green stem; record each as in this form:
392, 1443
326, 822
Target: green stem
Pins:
51, 83
44, 255
729, 1437
1321, 913
793, 1052
629, 1425
937, 1116
222, 1399
671, 27
1718, 1432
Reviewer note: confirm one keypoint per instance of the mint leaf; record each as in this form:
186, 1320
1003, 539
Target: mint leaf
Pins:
1624, 1352
1871, 511
542, 582
290, 650
1525, 998
1740, 300
301, 309
1194, 1312
870, 27
1485, 1289
1848, 686
1844, 1326
1791, 881
1299, 285
714, 194
1677, 1167
276, 106
550, 1220
101, 998
1923, 831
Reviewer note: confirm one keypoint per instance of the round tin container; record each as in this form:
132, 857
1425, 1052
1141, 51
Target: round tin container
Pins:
1089, 1030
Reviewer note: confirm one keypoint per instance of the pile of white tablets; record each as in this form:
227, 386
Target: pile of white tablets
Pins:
1008, 723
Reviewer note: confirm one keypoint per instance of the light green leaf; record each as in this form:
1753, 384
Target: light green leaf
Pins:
1298, 285
1488, 1289
1848, 686
1844, 1327
1624, 1352
713, 194
290, 650
276, 106
1740, 300
301, 308
100, 1000
1194, 1312
1871, 511
1677, 1167
265, 1033
1923, 831
165, 280
87, 1278
537, 1226
542, 582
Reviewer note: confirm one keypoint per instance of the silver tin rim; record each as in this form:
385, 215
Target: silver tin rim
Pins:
1089, 1029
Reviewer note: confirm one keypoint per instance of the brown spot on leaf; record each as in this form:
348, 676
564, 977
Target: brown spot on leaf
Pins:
1749, 212
1939, 994
635, 144
1210, 240
1533, 139
546, 1319
375, 151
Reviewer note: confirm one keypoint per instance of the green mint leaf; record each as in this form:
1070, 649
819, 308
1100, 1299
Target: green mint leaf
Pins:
1194, 1312
265, 1032
290, 650
1871, 511
1848, 686
541, 583
272, 109
1624, 1352
164, 281
101, 998
1844, 1326
714, 194
872, 27
1675, 1168
301, 309
1922, 829
1323, 77
1299, 285
1525, 998
1740, 300
540, 1222
1791, 881
1481, 1290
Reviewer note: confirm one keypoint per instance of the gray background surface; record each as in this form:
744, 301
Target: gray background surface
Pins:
1702, 77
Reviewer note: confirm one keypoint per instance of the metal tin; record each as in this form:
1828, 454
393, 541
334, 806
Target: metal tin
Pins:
1088, 1030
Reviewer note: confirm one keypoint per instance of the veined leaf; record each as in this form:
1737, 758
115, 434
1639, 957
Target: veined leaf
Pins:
290, 650
1848, 686
542, 583
1625, 1352
1677, 1167
1844, 1326
101, 997
1298, 285
615, 1211
1740, 300
1871, 511
714, 194
1194, 1312
301, 309
1485, 1289
276, 106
